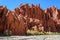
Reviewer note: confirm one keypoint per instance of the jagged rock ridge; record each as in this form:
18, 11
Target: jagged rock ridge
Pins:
29, 18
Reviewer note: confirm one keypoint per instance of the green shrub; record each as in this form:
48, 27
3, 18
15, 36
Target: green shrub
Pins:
32, 32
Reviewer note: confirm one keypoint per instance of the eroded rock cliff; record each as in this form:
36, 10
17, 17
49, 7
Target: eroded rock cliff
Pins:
29, 17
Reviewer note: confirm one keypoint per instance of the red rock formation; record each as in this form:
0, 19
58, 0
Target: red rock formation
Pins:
29, 17
3, 11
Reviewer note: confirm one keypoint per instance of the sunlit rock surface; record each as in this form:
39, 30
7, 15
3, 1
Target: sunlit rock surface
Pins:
29, 17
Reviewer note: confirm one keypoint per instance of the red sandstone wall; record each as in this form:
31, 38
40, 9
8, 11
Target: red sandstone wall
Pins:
29, 17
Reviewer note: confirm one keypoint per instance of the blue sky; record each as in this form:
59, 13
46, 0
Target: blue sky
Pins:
11, 4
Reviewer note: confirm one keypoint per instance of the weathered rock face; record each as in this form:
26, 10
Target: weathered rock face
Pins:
15, 24
3, 11
53, 18
1, 27
29, 17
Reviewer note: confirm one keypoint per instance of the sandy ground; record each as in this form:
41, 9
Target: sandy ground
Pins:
38, 37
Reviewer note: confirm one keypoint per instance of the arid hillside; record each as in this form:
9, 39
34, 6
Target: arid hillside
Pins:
29, 17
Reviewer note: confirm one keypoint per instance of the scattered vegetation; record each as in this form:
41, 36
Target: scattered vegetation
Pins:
32, 32
7, 33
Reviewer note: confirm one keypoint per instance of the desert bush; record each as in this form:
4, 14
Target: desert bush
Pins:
7, 33
32, 32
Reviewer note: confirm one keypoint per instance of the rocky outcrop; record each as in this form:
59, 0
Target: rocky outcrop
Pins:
53, 13
29, 18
